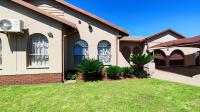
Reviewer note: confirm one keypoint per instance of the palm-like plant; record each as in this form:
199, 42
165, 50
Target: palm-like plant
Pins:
90, 66
140, 60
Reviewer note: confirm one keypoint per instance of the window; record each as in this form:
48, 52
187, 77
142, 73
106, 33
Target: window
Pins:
0, 53
80, 51
104, 52
38, 51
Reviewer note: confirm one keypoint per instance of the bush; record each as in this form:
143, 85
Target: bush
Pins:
127, 70
113, 71
140, 60
141, 74
71, 76
88, 66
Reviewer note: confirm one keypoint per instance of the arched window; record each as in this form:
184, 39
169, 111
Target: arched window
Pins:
104, 52
80, 51
0, 52
38, 46
136, 50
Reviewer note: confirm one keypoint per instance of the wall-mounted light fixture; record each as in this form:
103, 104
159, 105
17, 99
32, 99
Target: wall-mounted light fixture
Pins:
79, 22
50, 34
90, 28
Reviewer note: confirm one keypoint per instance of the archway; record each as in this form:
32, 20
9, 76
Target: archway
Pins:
159, 58
176, 58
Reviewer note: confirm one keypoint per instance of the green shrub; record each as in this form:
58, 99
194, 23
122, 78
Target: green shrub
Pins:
88, 66
141, 74
127, 70
71, 76
113, 71
140, 60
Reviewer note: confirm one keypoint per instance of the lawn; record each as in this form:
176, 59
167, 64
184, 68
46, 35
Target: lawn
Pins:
148, 95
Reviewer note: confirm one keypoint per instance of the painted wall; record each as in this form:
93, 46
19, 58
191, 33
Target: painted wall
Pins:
14, 47
131, 45
162, 38
100, 32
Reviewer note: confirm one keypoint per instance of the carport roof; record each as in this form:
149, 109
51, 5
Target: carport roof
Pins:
131, 39
185, 42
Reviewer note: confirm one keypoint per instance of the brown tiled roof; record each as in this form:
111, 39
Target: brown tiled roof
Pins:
164, 32
92, 16
187, 42
36, 9
131, 39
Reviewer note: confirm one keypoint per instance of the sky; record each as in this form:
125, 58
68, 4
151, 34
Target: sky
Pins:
147, 17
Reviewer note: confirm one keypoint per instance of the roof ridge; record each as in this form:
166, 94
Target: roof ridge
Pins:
162, 32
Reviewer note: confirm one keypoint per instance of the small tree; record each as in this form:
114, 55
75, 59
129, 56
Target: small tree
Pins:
140, 60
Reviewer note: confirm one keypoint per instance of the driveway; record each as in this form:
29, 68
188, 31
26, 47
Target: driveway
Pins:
175, 77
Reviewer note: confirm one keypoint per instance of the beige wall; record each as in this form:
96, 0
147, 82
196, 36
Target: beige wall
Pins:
14, 47
162, 39
37, 23
131, 45
100, 32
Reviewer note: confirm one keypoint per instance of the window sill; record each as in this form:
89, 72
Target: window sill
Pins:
31, 67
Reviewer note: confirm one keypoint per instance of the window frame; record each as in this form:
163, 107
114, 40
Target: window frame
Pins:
30, 52
81, 56
110, 56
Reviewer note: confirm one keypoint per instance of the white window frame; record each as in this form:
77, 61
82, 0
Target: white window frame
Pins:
37, 54
104, 57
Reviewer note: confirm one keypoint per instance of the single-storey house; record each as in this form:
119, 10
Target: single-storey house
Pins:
42, 39
53, 37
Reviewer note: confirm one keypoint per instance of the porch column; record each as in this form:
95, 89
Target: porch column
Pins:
167, 61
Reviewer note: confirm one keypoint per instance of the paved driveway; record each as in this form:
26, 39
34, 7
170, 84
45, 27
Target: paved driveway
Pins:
175, 77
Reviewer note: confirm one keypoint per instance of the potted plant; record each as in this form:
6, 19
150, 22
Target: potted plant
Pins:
140, 60
90, 69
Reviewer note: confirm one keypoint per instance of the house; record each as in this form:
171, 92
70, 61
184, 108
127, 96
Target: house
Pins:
55, 37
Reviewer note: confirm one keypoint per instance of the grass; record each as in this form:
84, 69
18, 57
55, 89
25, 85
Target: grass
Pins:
148, 95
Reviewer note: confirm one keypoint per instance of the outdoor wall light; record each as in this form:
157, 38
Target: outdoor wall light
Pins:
90, 28
79, 21
50, 34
